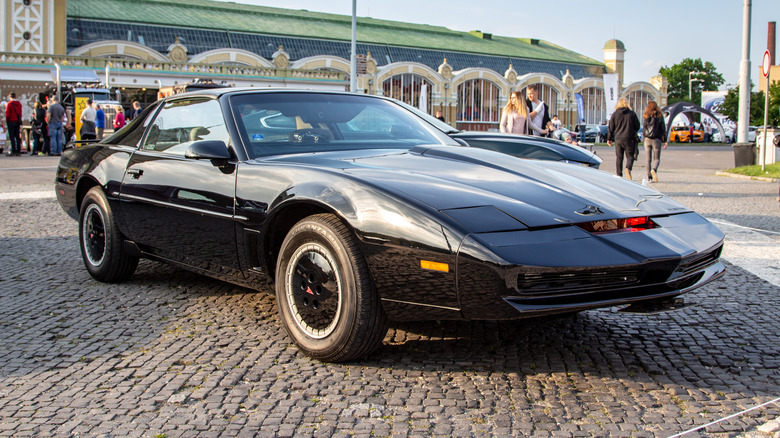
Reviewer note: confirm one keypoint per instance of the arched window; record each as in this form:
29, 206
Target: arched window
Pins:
406, 88
638, 101
548, 95
478, 105
595, 105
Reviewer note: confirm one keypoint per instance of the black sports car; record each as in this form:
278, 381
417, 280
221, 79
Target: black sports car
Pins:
359, 212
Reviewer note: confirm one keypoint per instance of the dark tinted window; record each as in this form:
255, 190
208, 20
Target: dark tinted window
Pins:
289, 123
518, 149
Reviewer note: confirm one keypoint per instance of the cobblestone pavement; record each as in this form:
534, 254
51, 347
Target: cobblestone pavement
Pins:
170, 353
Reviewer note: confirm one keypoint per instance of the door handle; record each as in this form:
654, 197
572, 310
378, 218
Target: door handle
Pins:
135, 173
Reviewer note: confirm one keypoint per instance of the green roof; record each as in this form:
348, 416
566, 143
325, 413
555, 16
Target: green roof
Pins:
237, 17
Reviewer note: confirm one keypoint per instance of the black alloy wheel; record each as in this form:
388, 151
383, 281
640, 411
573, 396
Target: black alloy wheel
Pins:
101, 242
327, 301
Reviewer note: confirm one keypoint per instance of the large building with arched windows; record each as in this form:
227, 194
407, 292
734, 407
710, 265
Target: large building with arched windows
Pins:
137, 47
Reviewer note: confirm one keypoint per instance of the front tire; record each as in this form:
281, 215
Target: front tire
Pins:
327, 301
101, 242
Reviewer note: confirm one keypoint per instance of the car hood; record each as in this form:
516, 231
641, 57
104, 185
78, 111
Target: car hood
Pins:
496, 187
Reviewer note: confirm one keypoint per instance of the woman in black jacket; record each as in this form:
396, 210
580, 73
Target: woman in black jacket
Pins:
623, 130
40, 130
654, 134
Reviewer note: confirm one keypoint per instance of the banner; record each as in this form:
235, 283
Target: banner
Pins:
580, 108
422, 104
611, 92
81, 104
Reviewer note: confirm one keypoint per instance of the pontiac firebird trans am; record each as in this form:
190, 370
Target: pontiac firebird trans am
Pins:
359, 212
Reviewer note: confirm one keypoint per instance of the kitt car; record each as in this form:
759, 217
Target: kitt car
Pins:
359, 212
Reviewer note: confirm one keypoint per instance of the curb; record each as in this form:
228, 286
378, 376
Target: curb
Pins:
755, 178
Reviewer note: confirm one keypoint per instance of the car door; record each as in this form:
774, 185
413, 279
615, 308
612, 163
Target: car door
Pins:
182, 208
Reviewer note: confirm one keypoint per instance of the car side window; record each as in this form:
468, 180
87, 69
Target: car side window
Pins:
182, 122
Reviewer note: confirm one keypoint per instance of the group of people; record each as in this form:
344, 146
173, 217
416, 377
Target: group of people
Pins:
623, 131
49, 124
529, 115
52, 125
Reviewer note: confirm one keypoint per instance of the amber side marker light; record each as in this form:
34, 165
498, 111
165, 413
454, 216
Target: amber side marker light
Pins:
434, 266
619, 225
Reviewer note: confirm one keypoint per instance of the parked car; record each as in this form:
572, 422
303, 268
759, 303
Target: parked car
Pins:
525, 146
681, 134
716, 136
593, 133
364, 213
730, 133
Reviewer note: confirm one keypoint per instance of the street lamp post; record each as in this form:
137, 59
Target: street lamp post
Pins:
690, 83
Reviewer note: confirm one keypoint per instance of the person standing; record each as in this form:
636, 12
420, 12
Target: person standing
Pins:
623, 128
557, 124
100, 120
136, 110
88, 117
708, 131
538, 112
40, 130
514, 117
54, 117
440, 116
654, 134
13, 119
119, 118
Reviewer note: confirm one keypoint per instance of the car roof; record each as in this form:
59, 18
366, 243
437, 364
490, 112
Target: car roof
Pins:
217, 92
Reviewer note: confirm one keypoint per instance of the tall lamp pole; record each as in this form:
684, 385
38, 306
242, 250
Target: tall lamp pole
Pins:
690, 82
353, 57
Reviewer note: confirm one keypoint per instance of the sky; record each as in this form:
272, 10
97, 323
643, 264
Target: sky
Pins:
655, 33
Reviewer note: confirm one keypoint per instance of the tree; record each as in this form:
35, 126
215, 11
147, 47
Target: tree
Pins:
774, 104
677, 75
730, 106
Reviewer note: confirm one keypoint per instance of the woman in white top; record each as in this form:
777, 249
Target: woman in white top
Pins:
514, 117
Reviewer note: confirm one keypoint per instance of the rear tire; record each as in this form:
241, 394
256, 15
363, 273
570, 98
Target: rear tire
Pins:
327, 301
101, 242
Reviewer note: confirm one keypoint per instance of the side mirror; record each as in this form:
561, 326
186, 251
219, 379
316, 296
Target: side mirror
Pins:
208, 150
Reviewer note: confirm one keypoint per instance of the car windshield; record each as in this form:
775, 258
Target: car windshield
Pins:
289, 123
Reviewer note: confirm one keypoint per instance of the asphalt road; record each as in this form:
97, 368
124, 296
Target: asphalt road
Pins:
173, 353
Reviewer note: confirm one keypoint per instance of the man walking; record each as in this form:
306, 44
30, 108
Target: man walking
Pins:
54, 117
100, 120
13, 118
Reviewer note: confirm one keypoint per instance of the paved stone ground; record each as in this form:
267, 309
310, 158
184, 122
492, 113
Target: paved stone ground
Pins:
173, 353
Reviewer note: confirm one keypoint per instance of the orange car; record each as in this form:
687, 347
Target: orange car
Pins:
681, 134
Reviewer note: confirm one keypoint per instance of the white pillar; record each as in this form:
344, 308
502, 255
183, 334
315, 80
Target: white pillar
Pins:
744, 77
353, 58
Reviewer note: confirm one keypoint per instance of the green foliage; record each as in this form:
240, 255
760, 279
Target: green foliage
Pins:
677, 75
774, 104
770, 170
730, 106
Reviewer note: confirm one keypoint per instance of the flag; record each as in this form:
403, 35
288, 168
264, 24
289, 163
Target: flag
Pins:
423, 104
611, 92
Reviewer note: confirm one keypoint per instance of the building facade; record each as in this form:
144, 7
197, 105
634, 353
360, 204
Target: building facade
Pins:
137, 47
